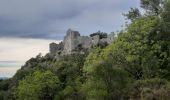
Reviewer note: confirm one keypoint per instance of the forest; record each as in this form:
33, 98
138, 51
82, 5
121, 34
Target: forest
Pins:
136, 66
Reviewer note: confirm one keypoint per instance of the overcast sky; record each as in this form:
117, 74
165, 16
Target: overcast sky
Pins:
28, 26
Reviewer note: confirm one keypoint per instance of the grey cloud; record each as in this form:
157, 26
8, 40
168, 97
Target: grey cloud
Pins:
49, 19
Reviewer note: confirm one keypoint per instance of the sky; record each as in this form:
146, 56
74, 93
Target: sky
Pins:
28, 26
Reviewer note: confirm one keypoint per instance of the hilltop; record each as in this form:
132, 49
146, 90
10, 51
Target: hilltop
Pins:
133, 66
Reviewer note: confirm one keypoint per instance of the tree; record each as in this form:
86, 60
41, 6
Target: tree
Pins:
69, 71
105, 81
38, 86
133, 14
150, 89
152, 7
166, 11
101, 34
165, 19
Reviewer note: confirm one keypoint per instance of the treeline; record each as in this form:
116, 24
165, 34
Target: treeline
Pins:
136, 66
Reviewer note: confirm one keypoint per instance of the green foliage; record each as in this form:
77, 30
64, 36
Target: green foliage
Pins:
4, 84
69, 70
135, 66
101, 34
4, 89
166, 11
141, 51
105, 81
152, 7
1, 95
37, 86
151, 89
133, 14
94, 55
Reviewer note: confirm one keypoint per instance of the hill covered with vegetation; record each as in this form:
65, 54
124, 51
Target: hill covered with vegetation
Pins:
136, 66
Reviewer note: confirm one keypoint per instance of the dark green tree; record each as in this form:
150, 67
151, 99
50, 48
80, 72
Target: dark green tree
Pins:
152, 7
38, 86
133, 14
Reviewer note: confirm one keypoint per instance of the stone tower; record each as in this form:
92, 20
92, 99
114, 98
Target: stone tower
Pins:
70, 41
53, 48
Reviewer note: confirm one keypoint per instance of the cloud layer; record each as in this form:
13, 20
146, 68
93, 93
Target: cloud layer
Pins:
15, 51
50, 19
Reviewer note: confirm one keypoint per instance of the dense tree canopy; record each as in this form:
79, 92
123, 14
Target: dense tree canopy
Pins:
38, 85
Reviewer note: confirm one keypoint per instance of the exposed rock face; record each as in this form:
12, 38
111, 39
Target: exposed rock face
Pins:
74, 42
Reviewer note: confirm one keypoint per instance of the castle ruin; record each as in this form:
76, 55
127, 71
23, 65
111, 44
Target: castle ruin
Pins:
73, 42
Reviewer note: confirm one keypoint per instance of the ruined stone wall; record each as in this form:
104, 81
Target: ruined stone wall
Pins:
73, 41
95, 39
85, 41
104, 40
53, 48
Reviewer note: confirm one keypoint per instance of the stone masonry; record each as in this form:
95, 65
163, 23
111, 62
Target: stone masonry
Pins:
73, 41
